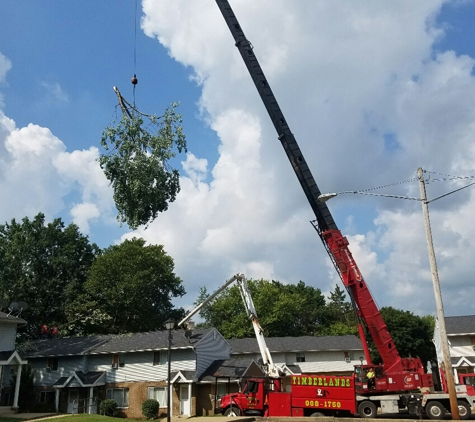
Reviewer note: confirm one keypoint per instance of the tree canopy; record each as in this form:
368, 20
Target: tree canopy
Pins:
44, 265
298, 310
129, 289
411, 334
136, 162
281, 308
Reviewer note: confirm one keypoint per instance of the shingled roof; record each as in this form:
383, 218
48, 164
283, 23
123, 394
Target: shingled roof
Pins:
72, 346
457, 325
153, 340
297, 344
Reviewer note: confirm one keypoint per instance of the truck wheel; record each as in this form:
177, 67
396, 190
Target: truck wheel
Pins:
232, 411
317, 415
435, 410
367, 409
464, 409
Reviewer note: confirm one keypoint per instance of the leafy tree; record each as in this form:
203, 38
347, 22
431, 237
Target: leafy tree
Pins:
136, 162
340, 317
44, 265
282, 309
412, 334
129, 289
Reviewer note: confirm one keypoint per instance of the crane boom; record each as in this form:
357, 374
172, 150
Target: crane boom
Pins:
335, 243
268, 364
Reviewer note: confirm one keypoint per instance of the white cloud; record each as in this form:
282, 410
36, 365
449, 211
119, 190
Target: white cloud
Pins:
369, 103
82, 213
38, 174
55, 92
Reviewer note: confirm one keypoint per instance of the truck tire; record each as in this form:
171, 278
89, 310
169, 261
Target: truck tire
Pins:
232, 411
367, 409
464, 410
435, 410
317, 415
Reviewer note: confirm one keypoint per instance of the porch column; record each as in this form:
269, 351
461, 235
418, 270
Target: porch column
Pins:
456, 375
17, 387
56, 400
91, 394
190, 401
1, 382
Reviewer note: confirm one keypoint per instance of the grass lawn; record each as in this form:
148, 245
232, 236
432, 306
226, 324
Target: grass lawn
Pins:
71, 418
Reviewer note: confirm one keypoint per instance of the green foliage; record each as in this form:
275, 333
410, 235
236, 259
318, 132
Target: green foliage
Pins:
108, 407
44, 265
26, 395
283, 309
136, 163
340, 318
411, 334
150, 408
129, 289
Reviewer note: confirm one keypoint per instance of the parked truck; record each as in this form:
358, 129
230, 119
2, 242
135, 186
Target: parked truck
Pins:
399, 384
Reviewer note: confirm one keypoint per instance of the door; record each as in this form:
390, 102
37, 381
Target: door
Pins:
184, 400
73, 401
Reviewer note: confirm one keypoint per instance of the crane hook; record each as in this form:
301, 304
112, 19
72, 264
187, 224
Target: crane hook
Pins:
134, 80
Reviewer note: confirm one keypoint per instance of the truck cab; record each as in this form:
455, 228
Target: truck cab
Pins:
252, 400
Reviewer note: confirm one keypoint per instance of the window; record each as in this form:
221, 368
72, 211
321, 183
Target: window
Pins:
222, 390
349, 356
120, 395
118, 360
160, 358
47, 397
159, 394
52, 364
300, 357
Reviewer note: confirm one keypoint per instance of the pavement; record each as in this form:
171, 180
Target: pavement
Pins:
46, 416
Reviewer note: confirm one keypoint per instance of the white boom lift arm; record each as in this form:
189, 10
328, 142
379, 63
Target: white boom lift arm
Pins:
271, 369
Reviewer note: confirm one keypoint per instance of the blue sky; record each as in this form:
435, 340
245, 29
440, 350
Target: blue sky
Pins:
371, 91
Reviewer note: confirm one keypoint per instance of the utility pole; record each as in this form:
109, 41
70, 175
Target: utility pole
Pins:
449, 374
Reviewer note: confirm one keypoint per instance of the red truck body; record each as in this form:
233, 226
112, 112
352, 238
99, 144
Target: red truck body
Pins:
307, 395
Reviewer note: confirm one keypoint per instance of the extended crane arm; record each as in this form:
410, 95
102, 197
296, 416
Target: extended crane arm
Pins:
335, 244
272, 370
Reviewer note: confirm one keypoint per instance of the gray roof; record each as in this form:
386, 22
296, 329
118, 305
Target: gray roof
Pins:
88, 379
11, 319
153, 340
296, 344
229, 368
62, 346
460, 324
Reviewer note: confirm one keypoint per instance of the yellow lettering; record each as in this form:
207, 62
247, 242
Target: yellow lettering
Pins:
294, 380
337, 382
348, 382
320, 381
304, 380
315, 381
325, 382
330, 383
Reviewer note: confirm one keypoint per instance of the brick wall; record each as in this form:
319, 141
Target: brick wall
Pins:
138, 394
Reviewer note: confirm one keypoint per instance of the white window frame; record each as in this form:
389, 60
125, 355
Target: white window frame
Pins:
125, 396
152, 394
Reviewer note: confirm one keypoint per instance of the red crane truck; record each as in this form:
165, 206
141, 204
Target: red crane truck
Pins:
399, 383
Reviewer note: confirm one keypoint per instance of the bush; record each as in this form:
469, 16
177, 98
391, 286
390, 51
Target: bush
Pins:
108, 407
150, 408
